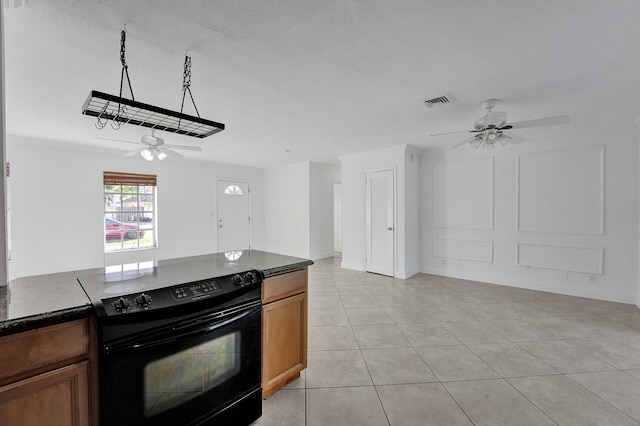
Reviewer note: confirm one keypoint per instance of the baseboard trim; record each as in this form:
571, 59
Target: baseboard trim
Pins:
531, 285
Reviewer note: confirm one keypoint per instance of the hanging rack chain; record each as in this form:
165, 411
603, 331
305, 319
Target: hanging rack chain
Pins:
186, 86
123, 38
125, 67
186, 75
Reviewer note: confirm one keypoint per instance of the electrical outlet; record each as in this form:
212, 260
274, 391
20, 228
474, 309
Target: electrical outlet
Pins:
592, 278
443, 261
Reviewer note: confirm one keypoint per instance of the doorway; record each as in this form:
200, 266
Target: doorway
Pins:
380, 221
234, 219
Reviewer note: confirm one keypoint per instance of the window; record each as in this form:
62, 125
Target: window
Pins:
233, 190
129, 211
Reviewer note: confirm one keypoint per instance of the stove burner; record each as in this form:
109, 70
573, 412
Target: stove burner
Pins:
124, 288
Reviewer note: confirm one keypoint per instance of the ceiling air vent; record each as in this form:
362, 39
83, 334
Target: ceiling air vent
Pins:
444, 99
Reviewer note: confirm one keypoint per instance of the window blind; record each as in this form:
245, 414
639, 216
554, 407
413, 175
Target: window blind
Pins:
119, 178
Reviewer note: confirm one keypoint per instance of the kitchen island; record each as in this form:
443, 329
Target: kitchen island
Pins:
48, 332
32, 302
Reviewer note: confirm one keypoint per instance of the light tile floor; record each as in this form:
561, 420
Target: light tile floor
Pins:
433, 350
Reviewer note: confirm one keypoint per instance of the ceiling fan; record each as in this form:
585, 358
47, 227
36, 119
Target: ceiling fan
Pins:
154, 147
490, 128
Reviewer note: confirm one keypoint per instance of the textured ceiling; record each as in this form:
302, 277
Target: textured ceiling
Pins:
322, 78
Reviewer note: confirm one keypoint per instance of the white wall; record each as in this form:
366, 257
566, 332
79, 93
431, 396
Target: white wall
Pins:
322, 177
354, 168
287, 210
554, 215
57, 205
411, 212
337, 217
299, 209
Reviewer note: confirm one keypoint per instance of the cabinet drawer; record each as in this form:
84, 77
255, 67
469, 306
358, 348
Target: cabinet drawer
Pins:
281, 286
33, 349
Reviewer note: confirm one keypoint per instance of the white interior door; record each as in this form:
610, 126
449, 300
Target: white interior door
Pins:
233, 216
380, 232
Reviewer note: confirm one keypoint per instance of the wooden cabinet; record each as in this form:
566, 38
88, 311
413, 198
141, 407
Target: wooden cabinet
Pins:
58, 397
46, 374
284, 329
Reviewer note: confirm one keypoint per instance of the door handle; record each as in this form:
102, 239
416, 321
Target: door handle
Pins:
219, 226
390, 229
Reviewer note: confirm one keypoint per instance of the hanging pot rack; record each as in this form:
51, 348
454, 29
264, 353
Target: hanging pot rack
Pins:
119, 110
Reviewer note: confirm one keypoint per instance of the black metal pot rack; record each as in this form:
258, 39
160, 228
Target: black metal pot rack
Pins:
119, 110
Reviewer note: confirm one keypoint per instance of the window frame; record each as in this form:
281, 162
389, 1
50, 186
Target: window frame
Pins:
138, 188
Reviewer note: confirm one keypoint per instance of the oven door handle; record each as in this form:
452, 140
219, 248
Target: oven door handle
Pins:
207, 328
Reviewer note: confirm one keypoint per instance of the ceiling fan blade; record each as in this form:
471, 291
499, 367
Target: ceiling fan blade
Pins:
451, 133
118, 140
548, 121
170, 153
133, 153
464, 142
514, 138
185, 147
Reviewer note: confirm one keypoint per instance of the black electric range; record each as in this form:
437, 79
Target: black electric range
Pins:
180, 341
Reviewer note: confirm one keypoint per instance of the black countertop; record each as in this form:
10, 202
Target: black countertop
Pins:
31, 302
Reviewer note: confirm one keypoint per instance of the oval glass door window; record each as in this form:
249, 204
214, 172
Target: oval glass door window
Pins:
233, 190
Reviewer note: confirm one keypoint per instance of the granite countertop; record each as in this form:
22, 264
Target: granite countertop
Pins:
40, 300
242, 260
35, 301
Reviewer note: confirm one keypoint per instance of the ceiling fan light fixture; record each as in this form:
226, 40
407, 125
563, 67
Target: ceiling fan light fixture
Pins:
476, 142
161, 155
147, 154
504, 139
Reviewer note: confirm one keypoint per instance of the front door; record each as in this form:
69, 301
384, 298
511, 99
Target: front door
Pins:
233, 216
380, 233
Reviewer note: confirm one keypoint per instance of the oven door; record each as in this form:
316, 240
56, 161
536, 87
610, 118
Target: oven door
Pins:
195, 372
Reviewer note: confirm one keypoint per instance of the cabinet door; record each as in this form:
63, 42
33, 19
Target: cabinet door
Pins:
56, 398
284, 335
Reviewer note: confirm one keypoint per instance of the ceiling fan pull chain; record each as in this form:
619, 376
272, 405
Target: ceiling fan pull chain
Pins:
186, 85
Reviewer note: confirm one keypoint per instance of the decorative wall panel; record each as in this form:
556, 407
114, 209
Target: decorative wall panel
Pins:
463, 194
562, 191
574, 259
480, 251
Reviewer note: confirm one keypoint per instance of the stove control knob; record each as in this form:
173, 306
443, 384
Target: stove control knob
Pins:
121, 304
237, 280
143, 300
249, 277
